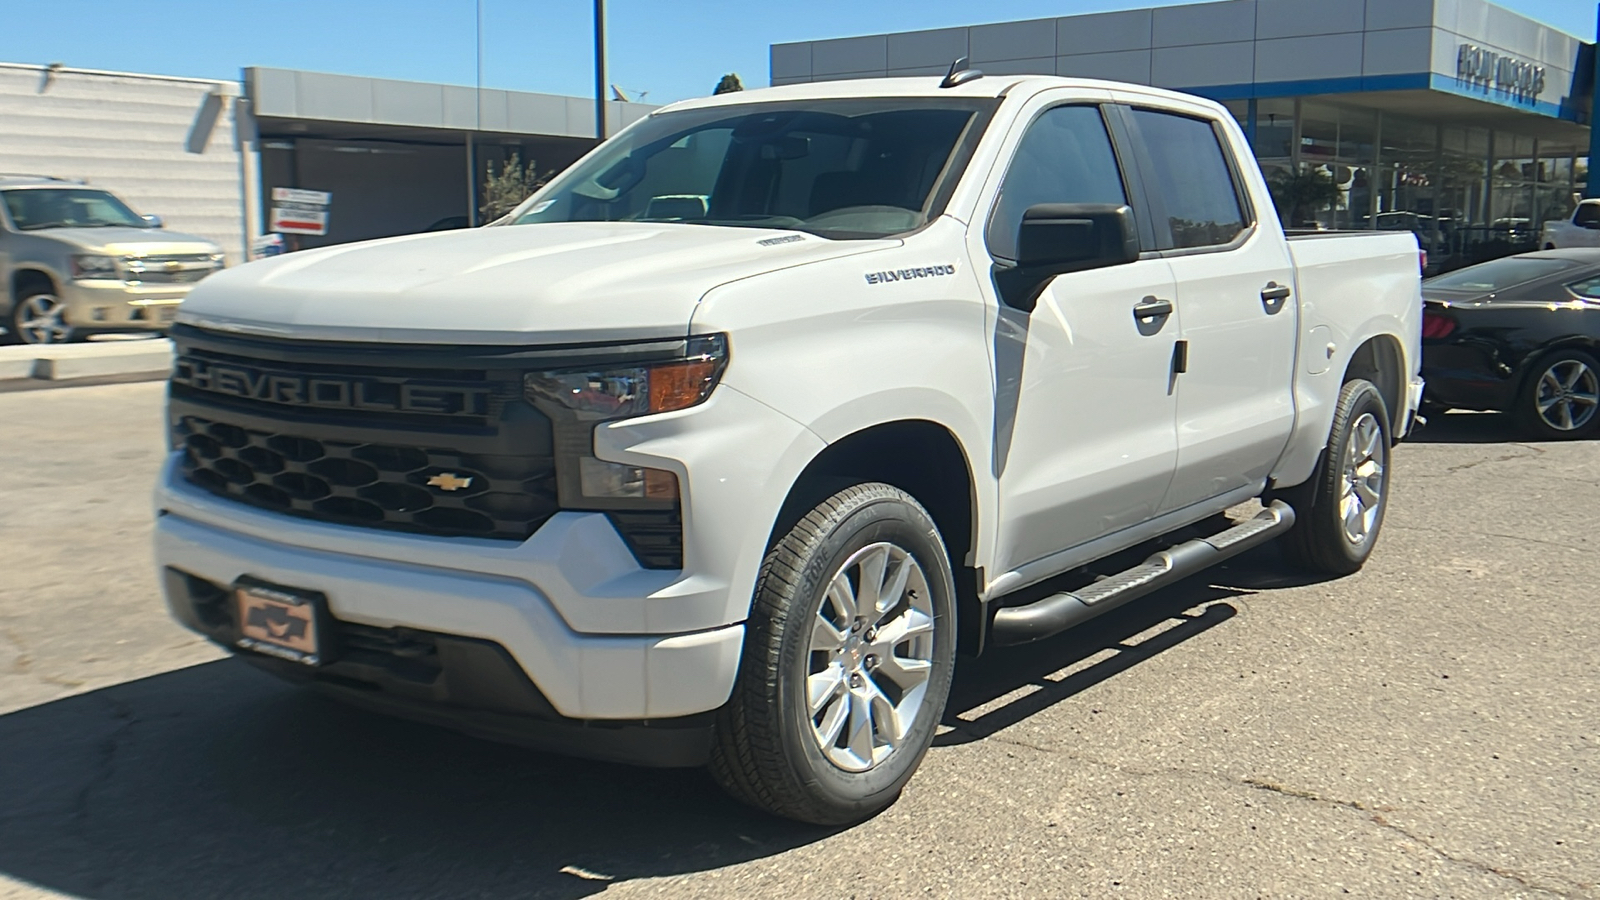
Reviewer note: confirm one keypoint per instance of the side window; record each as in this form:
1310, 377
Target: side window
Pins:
1064, 157
1588, 289
1588, 214
1192, 179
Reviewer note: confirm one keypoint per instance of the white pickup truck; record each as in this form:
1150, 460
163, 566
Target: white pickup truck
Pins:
1581, 230
717, 449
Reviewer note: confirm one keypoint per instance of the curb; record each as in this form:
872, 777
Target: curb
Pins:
121, 359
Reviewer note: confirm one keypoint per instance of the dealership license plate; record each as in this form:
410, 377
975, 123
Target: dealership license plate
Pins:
278, 622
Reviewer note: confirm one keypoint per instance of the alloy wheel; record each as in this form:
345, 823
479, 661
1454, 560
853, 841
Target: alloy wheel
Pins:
871, 654
1568, 395
39, 320
1361, 499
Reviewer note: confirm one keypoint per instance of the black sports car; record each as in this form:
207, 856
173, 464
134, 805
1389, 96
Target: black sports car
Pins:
1518, 335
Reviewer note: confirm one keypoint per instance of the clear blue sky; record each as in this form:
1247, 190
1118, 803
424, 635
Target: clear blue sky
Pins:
671, 48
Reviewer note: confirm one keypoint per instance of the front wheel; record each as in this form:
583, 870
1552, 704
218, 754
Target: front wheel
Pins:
849, 652
1339, 511
40, 318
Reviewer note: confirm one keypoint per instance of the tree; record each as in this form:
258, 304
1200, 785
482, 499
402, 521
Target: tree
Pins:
729, 83
1300, 195
512, 185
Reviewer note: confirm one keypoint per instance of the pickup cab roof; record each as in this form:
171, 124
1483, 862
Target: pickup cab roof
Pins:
926, 86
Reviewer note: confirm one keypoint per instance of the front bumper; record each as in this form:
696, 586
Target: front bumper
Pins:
582, 676
119, 306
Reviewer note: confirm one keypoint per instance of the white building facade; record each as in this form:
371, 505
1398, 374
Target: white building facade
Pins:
1457, 119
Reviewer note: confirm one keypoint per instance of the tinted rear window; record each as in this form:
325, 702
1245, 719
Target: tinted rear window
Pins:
1499, 274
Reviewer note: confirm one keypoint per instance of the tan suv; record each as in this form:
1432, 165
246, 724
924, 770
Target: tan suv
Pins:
76, 260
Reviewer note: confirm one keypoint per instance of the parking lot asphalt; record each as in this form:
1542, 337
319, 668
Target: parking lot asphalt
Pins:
1429, 727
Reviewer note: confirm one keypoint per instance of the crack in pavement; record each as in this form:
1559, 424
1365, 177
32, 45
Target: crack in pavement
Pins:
1372, 814
108, 748
1506, 458
1489, 534
24, 660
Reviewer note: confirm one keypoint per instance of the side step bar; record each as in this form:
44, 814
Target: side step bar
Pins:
1058, 612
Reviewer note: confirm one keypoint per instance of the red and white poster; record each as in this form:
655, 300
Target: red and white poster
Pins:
296, 211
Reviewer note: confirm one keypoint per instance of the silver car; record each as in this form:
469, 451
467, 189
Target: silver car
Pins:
76, 260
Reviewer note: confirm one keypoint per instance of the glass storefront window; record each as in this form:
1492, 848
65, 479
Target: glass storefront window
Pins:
1336, 178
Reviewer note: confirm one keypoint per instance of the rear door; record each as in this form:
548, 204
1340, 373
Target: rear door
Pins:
1083, 434
1234, 294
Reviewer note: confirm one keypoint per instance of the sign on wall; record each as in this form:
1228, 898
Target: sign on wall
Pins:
1487, 69
296, 211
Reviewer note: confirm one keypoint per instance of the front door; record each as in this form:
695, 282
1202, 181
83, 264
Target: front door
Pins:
1235, 284
1084, 443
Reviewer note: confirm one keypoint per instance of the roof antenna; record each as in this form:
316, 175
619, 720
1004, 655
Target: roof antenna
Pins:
960, 74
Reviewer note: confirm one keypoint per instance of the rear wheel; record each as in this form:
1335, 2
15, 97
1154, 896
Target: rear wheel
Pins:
849, 651
1561, 399
1339, 511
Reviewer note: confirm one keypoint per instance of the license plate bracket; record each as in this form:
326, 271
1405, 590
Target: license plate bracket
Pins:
283, 622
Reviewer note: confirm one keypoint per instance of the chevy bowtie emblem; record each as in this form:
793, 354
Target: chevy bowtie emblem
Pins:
449, 481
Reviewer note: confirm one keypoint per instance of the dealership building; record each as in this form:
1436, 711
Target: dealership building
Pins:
391, 157
1458, 119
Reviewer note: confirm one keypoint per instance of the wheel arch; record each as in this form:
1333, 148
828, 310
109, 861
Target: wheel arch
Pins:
926, 460
1380, 360
24, 278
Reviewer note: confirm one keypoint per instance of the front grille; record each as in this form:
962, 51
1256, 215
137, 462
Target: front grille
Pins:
353, 434
375, 485
184, 268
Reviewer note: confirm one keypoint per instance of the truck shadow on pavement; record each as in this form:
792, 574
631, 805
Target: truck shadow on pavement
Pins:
218, 780
1007, 685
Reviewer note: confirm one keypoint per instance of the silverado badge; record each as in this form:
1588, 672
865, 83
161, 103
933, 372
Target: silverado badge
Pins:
449, 481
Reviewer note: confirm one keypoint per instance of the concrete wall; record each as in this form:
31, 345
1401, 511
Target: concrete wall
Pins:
126, 133
1231, 44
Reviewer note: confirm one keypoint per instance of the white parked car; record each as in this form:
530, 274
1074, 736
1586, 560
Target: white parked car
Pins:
730, 482
1581, 230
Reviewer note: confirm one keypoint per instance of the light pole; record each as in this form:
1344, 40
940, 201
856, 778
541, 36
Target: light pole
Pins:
1593, 187
600, 69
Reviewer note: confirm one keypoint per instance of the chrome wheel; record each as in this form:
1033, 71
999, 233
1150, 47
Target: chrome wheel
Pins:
871, 654
1568, 395
1361, 500
39, 320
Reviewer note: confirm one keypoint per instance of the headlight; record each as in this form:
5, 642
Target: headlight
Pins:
621, 393
576, 400
91, 267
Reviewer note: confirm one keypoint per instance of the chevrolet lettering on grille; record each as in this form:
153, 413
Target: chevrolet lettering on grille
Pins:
329, 391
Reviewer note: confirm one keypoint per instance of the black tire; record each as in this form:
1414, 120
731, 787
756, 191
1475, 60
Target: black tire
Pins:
1537, 389
766, 751
1319, 540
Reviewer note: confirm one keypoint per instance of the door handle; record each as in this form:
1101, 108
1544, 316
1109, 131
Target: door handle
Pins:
1273, 295
1151, 308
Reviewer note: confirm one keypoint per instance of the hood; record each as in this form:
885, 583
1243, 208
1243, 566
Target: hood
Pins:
118, 241
568, 282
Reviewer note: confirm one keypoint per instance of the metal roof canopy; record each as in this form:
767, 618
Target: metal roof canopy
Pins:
278, 95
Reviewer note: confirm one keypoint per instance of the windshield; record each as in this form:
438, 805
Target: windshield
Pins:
35, 208
1499, 274
860, 168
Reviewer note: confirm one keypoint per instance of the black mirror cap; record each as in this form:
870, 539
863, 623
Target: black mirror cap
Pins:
1070, 237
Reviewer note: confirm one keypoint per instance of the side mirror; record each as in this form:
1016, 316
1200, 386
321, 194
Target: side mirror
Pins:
153, 222
1056, 238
